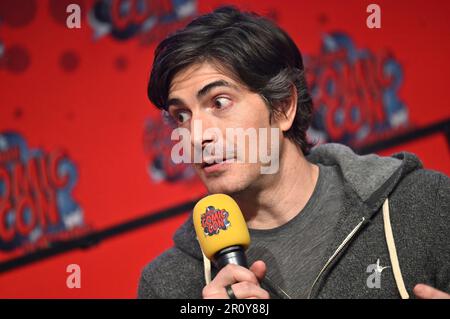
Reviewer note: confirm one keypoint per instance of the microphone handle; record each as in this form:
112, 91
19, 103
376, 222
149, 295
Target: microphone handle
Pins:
231, 255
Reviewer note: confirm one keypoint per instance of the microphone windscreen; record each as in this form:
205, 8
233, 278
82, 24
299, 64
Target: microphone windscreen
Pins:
219, 224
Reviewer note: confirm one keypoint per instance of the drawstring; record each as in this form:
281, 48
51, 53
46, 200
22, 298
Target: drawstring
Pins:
206, 268
393, 252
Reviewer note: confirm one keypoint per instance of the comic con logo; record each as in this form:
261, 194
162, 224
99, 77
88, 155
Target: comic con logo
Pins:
151, 19
36, 203
355, 92
158, 148
213, 220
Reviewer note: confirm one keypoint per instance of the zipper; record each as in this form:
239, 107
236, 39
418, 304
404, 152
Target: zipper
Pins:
337, 251
274, 287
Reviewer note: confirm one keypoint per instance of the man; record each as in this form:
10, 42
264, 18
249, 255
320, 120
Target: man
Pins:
323, 225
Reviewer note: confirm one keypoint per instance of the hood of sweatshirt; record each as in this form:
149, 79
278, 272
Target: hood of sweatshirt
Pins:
368, 178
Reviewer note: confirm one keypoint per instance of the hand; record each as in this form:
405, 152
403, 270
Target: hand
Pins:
427, 292
245, 282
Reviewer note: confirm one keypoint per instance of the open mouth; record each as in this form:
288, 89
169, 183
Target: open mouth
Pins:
215, 165
203, 165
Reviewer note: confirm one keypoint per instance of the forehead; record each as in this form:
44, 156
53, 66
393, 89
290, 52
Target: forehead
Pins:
196, 76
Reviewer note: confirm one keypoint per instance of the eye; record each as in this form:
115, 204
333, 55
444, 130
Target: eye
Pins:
182, 116
222, 102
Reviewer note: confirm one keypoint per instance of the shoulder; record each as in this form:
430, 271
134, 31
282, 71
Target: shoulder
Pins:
419, 213
420, 204
424, 185
173, 274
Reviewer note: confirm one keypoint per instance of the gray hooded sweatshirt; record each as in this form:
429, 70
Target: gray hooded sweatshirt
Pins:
393, 210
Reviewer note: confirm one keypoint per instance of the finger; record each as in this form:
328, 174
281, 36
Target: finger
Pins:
259, 269
231, 274
423, 291
247, 290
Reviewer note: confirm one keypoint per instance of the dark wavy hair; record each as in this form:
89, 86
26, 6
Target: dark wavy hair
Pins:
254, 50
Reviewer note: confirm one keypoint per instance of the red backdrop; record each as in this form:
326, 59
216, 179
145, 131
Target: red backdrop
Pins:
83, 92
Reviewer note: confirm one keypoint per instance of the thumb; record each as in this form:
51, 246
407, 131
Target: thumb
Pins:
259, 269
427, 292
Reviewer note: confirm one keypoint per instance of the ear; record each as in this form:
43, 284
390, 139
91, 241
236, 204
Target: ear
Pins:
288, 109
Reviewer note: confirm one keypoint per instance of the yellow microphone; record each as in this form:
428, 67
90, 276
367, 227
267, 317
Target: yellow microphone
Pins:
221, 230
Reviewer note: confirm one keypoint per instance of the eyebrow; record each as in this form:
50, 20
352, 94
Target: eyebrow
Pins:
207, 88
202, 92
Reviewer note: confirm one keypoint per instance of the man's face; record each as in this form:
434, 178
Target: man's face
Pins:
203, 94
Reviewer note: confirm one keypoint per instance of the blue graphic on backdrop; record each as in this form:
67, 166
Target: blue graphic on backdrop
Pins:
355, 92
151, 20
36, 202
158, 147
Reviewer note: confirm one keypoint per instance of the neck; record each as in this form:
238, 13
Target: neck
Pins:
279, 197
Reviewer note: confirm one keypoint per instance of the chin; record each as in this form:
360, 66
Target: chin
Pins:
219, 188
225, 185
234, 180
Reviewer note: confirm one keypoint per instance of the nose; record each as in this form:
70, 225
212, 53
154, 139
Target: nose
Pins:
203, 131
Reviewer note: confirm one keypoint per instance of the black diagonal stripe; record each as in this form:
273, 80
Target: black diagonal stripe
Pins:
95, 237
413, 135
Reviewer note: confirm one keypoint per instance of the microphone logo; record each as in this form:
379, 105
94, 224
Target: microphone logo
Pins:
213, 220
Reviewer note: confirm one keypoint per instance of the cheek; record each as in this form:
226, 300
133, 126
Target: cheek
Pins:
251, 112
257, 118
254, 135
